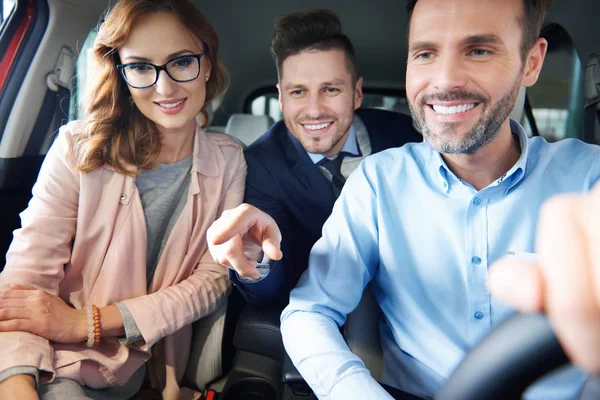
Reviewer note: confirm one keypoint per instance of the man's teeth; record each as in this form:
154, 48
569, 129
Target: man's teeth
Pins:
171, 105
316, 127
452, 110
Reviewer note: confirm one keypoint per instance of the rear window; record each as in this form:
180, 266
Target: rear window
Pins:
555, 104
267, 103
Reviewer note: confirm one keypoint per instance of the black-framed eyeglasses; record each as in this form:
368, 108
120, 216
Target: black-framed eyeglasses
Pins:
142, 75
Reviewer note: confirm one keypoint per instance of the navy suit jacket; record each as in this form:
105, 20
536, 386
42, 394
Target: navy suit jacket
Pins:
287, 185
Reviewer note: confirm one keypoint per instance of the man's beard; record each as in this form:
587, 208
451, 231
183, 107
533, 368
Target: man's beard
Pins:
481, 134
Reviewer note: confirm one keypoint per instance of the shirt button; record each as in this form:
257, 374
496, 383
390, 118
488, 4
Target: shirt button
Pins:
123, 196
476, 260
445, 184
478, 315
476, 201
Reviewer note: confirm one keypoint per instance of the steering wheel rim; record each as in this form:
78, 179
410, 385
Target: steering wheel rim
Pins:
517, 353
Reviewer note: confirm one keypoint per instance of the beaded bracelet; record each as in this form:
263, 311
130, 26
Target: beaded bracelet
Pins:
93, 319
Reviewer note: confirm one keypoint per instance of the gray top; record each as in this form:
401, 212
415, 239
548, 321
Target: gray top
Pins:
163, 193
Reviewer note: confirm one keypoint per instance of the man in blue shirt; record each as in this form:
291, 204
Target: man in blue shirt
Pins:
422, 223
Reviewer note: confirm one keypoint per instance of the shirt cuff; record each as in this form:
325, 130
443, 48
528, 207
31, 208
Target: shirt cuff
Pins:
132, 332
263, 270
22, 370
359, 385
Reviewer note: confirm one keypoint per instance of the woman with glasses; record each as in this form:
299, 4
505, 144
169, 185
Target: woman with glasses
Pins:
111, 265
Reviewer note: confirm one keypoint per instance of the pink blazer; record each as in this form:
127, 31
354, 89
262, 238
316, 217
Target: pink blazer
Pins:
83, 237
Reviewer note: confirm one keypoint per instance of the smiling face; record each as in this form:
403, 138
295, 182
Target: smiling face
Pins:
464, 70
317, 99
158, 38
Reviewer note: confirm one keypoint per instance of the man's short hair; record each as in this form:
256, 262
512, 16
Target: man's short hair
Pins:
531, 21
313, 30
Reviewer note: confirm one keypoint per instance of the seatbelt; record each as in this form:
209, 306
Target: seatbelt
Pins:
55, 106
50, 118
591, 95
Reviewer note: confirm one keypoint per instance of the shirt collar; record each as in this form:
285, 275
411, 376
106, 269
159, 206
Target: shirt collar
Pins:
350, 147
517, 172
514, 175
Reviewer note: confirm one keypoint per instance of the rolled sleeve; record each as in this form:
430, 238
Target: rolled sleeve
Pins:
132, 332
25, 370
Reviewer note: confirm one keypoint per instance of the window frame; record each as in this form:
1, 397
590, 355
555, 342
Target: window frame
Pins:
32, 16
557, 35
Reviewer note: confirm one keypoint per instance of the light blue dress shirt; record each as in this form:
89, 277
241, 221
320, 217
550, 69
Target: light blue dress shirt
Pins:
425, 238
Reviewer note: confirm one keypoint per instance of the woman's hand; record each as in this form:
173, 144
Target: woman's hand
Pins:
18, 387
29, 310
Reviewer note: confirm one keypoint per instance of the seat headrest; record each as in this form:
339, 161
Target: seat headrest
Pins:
247, 127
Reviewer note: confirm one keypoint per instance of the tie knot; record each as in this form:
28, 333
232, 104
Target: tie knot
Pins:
333, 165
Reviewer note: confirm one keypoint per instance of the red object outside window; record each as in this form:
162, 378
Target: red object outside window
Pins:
8, 59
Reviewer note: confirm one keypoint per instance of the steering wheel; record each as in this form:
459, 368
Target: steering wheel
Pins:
506, 362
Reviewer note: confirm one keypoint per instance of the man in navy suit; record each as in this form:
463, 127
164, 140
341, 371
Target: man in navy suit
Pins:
297, 169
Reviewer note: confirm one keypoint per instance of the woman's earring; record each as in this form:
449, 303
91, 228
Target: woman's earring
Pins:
206, 79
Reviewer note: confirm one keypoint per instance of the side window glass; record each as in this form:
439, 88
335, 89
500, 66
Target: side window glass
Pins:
390, 102
268, 104
5, 11
556, 100
83, 70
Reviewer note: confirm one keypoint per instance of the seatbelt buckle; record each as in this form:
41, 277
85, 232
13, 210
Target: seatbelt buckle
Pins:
210, 395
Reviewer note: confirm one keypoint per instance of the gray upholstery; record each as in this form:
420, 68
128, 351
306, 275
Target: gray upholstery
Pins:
215, 129
205, 363
361, 332
247, 127
517, 111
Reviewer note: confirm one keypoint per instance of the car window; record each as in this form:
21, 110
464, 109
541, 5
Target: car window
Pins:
5, 10
83, 69
555, 103
265, 104
262, 103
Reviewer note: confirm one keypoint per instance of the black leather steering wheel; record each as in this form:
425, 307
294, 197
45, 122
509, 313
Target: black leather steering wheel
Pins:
507, 361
